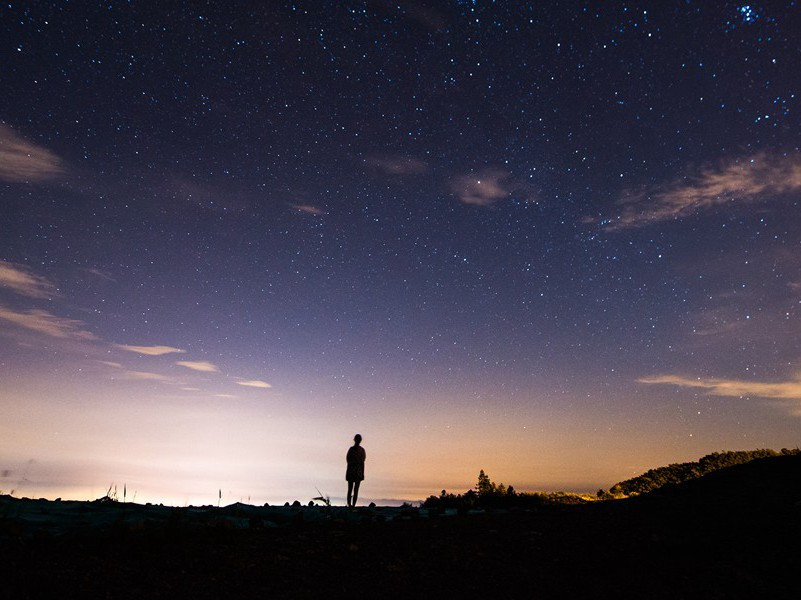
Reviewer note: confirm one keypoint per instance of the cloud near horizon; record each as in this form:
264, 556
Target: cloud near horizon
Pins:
139, 375
254, 383
150, 350
44, 322
199, 365
744, 179
783, 390
21, 280
24, 162
483, 188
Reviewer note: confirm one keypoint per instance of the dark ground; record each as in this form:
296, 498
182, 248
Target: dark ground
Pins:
735, 533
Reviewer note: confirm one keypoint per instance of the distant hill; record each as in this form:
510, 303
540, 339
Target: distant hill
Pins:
762, 488
681, 472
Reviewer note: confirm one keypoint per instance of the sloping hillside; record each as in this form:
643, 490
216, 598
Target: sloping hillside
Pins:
681, 472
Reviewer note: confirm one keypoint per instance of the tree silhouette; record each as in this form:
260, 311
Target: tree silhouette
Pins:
484, 485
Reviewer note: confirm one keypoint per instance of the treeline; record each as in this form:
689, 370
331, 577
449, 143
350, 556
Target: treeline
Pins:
488, 494
680, 472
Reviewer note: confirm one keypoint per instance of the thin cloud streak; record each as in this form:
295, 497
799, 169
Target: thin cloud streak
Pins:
24, 162
101, 274
784, 390
21, 280
150, 350
397, 165
199, 365
254, 383
110, 363
48, 324
146, 376
740, 180
308, 209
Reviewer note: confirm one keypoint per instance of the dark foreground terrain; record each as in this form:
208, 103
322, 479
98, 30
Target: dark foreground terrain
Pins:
735, 533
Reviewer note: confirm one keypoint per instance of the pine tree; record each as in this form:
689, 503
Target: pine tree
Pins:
484, 485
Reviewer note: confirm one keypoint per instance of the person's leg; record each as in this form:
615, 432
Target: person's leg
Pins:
350, 491
355, 491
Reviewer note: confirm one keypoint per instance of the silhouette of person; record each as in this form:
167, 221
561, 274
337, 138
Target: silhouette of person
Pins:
355, 472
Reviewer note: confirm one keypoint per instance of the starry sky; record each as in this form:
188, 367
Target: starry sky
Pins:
557, 241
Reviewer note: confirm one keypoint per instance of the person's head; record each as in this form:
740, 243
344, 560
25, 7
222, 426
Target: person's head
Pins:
357, 439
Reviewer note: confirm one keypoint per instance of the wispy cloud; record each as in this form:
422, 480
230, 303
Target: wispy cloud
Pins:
254, 383
482, 188
225, 396
23, 162
785, 390
308, 209
140, 375
728, 317
740, 180
44, 322
199, 365
150, 350
21, 280
397, 165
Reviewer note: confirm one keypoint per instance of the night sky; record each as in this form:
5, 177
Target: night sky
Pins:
557, 241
